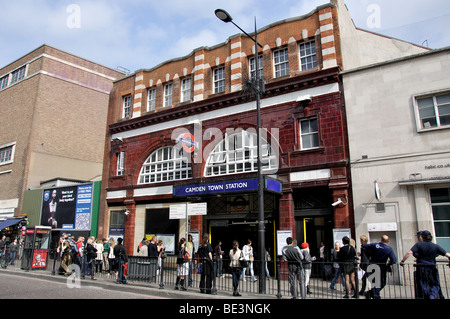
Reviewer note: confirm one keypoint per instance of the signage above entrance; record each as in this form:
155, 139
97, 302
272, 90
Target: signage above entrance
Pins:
244, 185
178, 211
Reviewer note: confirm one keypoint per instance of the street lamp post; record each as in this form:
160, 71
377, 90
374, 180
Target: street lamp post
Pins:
257, 85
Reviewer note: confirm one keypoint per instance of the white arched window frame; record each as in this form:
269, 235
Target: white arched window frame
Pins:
237, 153
165, 164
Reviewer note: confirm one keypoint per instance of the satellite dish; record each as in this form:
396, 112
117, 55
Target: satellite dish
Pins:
377, 190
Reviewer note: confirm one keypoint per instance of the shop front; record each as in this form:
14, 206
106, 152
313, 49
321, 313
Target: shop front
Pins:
232, 210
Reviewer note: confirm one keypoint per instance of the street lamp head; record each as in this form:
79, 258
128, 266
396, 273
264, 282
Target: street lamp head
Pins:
223, 15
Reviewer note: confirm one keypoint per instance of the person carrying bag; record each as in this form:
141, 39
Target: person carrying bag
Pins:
237, 262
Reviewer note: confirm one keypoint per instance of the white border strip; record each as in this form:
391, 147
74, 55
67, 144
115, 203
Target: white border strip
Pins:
236, 109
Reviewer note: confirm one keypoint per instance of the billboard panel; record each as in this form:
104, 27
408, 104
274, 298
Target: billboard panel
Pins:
67, 207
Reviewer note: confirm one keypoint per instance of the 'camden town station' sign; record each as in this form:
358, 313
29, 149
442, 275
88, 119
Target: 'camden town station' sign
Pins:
225, 187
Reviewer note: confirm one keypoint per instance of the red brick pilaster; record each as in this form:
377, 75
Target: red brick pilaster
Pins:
130, 205
287, 220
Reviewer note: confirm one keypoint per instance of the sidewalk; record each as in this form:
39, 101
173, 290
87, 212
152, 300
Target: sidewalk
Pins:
109, 283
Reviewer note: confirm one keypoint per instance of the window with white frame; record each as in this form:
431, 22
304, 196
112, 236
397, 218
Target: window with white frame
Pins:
281, 62
309, 134
185, 89
434, 111
120, 163
7, 154
4, 82
126, 107
18, 74
237, 153
219, 80
165, 164
440, 204
151, 99
168, 91
253, 69
308, 58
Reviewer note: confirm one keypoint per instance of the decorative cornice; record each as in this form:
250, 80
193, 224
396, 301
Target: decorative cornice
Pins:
283, 86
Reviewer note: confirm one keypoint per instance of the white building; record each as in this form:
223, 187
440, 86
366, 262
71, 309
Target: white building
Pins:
398, 115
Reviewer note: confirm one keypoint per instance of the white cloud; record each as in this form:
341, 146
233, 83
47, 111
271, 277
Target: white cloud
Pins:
141, 33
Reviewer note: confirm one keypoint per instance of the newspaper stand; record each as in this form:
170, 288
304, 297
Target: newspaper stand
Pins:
36, 247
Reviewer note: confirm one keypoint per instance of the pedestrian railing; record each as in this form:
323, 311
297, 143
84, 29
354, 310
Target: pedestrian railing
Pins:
325, 282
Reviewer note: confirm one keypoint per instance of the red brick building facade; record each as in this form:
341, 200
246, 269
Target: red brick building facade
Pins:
305, 150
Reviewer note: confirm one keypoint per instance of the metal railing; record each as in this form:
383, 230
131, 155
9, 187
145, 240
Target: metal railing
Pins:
400, 281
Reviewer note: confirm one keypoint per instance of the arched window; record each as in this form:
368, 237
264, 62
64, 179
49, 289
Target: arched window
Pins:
165, 164
237, 153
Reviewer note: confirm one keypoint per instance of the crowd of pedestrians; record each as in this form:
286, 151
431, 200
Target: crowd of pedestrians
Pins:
374, 261
349, 262
92, 256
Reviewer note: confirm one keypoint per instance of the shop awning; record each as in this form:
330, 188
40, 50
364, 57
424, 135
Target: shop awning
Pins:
9, 222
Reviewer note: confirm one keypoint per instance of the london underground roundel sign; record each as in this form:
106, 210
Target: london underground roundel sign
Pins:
188, 142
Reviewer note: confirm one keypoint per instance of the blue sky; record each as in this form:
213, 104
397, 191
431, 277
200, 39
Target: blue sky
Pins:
137, 34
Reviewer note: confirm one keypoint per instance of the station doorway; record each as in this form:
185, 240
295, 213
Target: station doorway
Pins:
229, 230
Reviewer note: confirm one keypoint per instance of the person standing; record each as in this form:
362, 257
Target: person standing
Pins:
153, 253
105, 254
382, 255
218, 255
91, 255
336, 266
364, 255
111, 257
3, 250
293, 256
161, 249
143, 250
248, 255
191, 249
182, 264
235, 266
99, 257
307, 264
205, 253
323, 258
120, 253
346, 257
427, 275
13, 247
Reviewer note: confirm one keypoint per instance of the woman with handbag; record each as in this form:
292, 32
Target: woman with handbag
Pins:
236, 257
248, 256
182, 264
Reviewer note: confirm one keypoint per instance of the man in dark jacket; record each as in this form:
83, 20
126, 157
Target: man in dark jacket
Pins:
294, 257
121, 259
382, 255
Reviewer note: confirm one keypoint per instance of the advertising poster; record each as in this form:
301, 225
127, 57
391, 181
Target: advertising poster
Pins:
39, 258
67, 207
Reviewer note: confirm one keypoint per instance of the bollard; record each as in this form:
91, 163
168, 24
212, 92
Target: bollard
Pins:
278, 295
213, 289
161, 283
54, 262
356, 280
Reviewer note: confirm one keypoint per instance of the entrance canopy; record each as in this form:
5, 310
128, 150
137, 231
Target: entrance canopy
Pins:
227, 187
9, 222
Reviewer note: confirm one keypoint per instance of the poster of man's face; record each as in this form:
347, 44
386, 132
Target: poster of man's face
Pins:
67, 207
